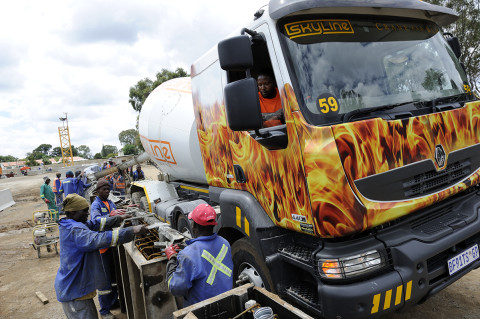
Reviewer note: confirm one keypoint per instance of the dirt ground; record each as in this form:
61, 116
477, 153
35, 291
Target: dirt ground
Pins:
22, 273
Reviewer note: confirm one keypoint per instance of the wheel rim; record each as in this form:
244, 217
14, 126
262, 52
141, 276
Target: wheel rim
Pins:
185, 232
252, 274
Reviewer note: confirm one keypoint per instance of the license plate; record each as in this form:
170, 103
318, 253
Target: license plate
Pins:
463, 259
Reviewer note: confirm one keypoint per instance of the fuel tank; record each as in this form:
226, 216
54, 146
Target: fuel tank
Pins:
168, 131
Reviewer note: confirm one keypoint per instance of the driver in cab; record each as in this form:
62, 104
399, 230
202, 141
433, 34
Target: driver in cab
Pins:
270, 103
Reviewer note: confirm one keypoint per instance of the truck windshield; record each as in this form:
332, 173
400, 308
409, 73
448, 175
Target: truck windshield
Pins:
342, 64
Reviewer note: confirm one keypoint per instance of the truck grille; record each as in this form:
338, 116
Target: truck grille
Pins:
420, 178
431, 181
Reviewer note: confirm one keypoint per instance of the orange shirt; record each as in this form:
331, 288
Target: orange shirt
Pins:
270, 106
108, 206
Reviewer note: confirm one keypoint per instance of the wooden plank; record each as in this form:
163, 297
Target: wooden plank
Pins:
41, 297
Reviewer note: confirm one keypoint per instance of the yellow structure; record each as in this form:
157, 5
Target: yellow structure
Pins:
65, 145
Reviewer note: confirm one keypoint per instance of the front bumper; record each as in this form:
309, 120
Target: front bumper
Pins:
418, 247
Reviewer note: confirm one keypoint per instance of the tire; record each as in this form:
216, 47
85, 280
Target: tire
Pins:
183, 225
246, 261
38, 251
144, 204
136, 197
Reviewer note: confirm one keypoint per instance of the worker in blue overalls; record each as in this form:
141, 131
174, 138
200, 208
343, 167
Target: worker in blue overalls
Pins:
203, 269
82, 184
102, 207
56, 190
81, 273
69, 185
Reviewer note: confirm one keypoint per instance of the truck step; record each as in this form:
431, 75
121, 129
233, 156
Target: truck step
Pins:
305, 294
298, 255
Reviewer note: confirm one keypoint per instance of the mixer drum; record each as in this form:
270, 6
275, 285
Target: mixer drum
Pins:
168, 131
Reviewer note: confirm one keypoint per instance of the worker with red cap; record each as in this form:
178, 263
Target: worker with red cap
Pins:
203, 269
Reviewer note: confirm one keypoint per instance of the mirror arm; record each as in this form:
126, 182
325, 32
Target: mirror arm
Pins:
263, 135
248, 31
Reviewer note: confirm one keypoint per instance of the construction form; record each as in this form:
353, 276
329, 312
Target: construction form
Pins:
65, 145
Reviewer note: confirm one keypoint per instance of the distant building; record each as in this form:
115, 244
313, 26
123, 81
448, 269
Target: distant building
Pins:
12, 165
20, 164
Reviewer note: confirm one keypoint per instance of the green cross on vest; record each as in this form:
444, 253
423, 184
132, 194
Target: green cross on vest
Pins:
217, 264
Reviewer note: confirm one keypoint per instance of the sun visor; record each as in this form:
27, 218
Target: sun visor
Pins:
440, 15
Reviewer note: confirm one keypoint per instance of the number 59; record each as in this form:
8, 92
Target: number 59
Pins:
328, 104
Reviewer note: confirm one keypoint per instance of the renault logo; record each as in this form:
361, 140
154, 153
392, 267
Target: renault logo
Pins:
440, 155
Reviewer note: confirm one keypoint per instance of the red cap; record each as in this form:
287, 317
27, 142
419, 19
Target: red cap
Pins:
204, 215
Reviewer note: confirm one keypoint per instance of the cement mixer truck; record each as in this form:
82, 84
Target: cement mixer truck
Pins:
366, 199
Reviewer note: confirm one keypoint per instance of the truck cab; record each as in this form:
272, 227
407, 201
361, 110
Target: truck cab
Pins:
365, 200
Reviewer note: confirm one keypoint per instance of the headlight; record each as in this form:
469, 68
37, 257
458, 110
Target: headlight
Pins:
351, 266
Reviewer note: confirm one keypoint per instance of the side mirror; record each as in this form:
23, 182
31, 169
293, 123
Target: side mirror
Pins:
235, 54
242, 105
454, 44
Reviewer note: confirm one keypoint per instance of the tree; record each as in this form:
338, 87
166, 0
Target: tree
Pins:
84, 151
467, 29
56, 152
140, 91
128, 136
7, 158
166, 75
46, 161
30, 160
35, 155
138, 141
129, 149
74, 151
43, 148
108, 149
97, 156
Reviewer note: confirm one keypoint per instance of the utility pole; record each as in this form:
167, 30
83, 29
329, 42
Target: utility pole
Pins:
65, 145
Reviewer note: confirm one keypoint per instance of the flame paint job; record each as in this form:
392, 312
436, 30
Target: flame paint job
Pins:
376, 146
314, 175
276, 178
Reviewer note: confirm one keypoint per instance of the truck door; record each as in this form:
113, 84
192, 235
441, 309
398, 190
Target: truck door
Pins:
268, 162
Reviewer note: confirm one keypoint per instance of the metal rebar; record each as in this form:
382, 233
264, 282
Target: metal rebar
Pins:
257, 305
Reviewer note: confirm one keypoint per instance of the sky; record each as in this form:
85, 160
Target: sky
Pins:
81, 58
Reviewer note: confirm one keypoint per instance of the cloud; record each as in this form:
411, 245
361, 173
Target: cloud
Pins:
81, 57
11, 55
112, 21
11, 79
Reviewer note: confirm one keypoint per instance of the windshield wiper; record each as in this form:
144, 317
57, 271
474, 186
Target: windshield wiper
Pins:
349, 115
462, 97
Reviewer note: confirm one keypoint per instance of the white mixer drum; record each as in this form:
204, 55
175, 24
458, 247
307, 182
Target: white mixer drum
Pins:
169, 133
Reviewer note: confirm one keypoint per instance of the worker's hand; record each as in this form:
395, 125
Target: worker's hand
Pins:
140, 229
118, 212
171, 251
270, 116
277, 115
47, 201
